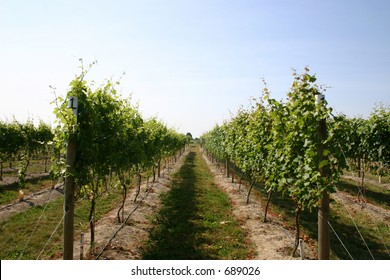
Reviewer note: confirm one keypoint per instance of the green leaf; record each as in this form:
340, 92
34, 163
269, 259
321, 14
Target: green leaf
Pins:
323, 163
326, 152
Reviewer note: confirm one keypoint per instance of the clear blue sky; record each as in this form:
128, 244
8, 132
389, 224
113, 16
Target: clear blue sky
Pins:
192, 62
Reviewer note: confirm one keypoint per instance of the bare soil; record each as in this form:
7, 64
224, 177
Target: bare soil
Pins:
352, 205
129, 237
8, 180
35, 199
272, 240
375, 182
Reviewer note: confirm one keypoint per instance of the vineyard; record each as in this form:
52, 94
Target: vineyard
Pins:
279, 180
299, 149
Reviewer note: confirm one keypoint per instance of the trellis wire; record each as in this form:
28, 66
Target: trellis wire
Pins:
384, 244
357, 228
36, 226
51, 236
338, 237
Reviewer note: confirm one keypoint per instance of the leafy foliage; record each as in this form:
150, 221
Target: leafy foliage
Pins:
113, 142
280, 144
277, 143
21, 141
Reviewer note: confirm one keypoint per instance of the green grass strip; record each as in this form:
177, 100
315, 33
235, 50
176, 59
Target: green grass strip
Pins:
196, 220
18, 230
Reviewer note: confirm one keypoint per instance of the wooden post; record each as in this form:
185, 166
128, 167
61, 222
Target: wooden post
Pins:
227, 167
323, 228
81, 246
69, 190
301, 249
323, 211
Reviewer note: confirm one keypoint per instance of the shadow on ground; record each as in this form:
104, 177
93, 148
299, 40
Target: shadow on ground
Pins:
174, 236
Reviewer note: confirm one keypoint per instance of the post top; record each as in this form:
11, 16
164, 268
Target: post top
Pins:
320, 97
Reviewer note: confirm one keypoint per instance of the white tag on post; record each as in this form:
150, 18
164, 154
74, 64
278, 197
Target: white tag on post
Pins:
73, 102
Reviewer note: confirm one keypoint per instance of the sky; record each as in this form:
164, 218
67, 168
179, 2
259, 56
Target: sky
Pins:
193, 63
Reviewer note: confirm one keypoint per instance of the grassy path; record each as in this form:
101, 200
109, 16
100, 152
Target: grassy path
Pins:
24, 235
196, 221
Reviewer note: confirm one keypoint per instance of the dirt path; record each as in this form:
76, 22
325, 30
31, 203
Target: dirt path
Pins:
350, 202
35, 199
375, 182
128, 241
9, 180
272, 240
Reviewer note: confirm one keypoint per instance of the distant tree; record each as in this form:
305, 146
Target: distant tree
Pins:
189, 136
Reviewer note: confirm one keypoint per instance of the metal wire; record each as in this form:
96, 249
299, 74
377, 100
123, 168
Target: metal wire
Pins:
51, 236
36, 224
